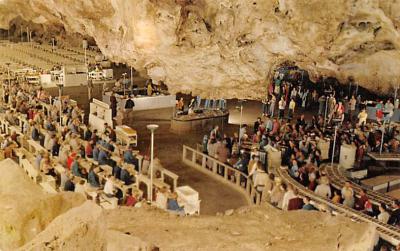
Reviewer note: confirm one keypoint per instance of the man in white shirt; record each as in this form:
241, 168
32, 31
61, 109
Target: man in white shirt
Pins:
281, 106
292, 105
287, 197
323, 189
384, 215
109, 186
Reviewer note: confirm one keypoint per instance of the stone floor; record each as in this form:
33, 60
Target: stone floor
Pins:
215, 196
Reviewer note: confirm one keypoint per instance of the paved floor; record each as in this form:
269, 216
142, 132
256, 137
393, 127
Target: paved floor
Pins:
215, 196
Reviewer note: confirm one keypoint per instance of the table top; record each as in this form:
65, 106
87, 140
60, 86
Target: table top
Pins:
385, 156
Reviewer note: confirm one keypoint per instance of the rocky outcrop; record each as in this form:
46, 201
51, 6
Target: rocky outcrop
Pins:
231, 47
260, 228
25, 209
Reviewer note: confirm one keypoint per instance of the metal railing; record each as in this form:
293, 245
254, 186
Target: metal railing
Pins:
221, 171
386, 232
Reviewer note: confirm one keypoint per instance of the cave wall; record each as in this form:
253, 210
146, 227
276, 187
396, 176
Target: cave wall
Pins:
230, 48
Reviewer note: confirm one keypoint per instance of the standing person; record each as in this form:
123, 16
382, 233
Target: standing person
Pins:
113, 105
265, 103
348, 195
379, 111
281, 106
362, 117
272, 103
257, 124
292, 105
389, 110
304, 99
352, 109
321, 108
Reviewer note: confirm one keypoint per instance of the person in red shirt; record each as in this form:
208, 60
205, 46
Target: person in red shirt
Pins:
130, 199
70, 160
360, 204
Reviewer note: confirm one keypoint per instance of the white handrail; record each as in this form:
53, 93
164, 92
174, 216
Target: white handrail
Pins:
227, 174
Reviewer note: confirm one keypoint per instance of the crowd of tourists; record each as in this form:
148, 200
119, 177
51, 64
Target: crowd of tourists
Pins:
80, 150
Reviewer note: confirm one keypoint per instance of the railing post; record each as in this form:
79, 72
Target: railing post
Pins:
237, 175
258, 198
248, 186
203, 161
194, 155
214, 166
225, 172
184, 153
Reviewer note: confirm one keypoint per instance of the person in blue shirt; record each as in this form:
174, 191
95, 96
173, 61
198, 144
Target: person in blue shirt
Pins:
126, 177
128, 156
35, 133
116, 171
75, 168
307, 205
103, 157
95, 153
92, 178
173, 206
38, 159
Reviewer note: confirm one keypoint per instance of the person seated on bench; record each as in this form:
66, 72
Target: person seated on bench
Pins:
128, 156
109, 189
75, 167
35, 133
38, 159
89, 149
116, 170
103, 157
162, 198
80, 187
173, 206
95, 152
126, 177
93, 179
69, 185
71, 159
131, 199
46, 167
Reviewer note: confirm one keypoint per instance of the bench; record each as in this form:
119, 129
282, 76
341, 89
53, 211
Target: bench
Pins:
48, 188
32, 172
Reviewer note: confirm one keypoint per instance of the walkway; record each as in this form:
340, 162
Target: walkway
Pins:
215, 196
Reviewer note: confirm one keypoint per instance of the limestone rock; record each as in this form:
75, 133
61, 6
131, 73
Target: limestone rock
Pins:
25, 209
230, 48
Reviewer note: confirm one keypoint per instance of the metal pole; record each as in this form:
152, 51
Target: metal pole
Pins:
85, 58
22, 38
123, 84
334, 146
131, 76
151, 166
240, 122
326, 110
383, 133
27, 34
60, 94
152, 128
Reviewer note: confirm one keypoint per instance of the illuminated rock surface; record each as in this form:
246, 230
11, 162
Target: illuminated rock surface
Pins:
230, 47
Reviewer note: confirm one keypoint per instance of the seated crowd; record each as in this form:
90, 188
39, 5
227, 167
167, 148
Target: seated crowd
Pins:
80, 159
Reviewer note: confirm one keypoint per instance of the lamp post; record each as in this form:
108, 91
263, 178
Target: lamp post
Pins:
334, 145
123, 82
241, 119
326, 110
8, 74
60, 86
131, 76
152, 128
383, 134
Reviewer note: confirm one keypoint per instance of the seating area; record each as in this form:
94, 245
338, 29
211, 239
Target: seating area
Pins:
72, 156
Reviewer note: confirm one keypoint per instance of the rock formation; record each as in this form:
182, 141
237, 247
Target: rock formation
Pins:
259, 228
231, 47
25, 209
